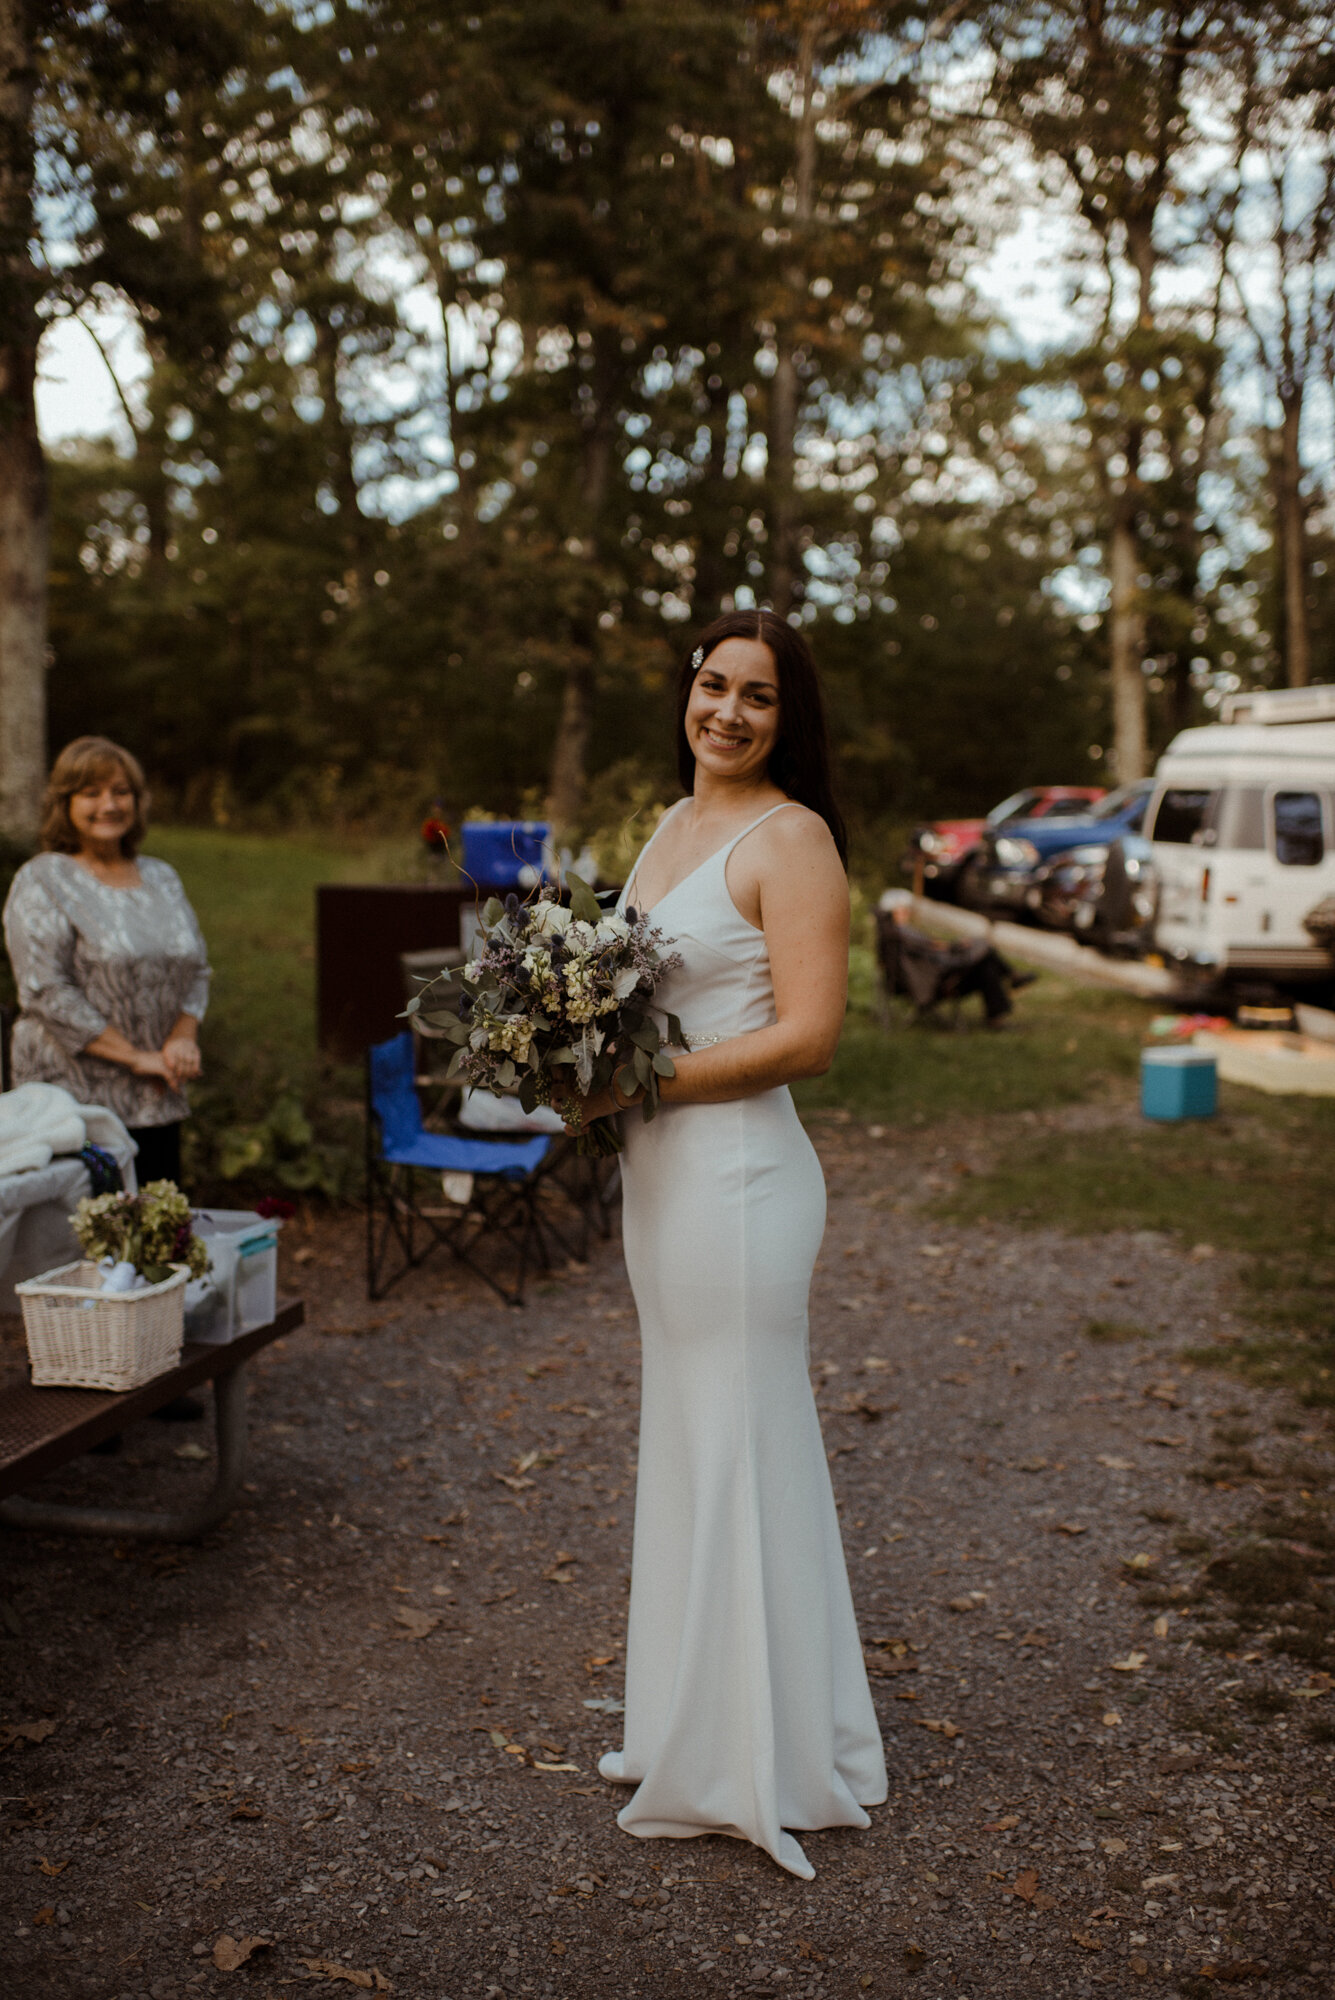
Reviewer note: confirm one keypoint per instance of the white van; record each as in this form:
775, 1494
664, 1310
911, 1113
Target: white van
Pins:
1242, 829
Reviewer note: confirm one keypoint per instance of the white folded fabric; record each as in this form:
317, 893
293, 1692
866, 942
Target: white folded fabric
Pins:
479, 1111
40, 1120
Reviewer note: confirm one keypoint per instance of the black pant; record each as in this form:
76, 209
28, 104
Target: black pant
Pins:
159, 1152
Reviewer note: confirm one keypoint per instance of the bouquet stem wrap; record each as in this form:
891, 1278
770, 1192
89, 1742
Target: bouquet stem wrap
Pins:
555, 1006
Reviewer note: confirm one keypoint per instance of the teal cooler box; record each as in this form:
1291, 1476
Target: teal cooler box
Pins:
1178, 1083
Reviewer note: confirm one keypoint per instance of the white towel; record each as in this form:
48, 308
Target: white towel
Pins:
40, 1120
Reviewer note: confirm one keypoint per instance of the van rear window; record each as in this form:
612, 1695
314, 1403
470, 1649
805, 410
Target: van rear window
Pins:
1182, 815
1299, 841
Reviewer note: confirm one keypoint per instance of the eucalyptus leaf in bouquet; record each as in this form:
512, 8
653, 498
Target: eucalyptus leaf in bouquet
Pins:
555, 1004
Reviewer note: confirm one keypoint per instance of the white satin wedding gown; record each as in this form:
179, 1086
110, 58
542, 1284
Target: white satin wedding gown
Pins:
747, 1706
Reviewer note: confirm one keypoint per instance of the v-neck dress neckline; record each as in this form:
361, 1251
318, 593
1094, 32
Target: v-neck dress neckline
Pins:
725, 850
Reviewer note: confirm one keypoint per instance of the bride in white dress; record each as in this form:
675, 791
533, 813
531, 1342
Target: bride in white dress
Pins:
747, 1706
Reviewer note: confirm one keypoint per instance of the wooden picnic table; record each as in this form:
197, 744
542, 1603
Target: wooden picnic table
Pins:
43, 1429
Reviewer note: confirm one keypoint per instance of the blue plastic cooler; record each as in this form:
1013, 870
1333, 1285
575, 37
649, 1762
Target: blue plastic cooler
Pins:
1178, 1083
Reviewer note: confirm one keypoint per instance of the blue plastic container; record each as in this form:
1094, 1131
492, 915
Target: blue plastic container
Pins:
1178, 1083
497, 850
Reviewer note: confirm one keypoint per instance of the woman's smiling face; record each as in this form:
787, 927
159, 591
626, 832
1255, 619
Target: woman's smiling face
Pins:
102, 811
732, 717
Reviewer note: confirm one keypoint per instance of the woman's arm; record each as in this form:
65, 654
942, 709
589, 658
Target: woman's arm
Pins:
113, 1046
802, 895
41, 941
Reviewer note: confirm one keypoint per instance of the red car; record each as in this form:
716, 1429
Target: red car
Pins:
943, 848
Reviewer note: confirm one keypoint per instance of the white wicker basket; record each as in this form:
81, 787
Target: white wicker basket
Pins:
82, 1337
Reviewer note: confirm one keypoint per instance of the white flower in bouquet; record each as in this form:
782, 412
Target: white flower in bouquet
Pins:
558, 999
548, 919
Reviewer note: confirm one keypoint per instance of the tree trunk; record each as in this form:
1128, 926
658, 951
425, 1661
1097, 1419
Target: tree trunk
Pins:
338, 454
1291, 526
565, 790
780, 458
1126, 643
565, 796
24, 503
785, 566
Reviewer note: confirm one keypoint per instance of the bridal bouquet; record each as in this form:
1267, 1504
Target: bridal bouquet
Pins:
555, 1003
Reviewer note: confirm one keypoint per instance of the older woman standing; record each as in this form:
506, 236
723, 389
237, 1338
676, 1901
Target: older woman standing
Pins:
111, 967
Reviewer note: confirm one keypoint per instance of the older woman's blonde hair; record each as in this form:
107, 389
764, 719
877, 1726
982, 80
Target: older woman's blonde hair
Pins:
86, 761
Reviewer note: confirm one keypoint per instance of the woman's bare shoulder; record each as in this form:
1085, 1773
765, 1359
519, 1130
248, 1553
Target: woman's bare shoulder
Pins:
799, 834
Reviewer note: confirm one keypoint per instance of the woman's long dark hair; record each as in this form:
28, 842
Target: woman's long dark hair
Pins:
800, 762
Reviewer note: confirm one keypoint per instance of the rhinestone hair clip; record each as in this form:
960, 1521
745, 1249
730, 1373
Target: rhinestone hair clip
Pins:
697, 659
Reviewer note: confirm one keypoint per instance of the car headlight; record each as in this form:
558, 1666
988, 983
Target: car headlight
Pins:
1016, 853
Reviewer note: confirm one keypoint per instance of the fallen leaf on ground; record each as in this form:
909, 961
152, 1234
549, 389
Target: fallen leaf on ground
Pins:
962, 1604
946, 1729
1231, 1972
46, 1915
246, 1812
1113, 1846
1140, 1966
1070, 1528
1086, 1942
229, 1953
417, 1624
1132, 1664
26, 1732
539, 1766
1031, 1465
191, 1451
1111, 1719
1138, 1562
327, 1968
1025, 1885
1117, 1464
1002, 1825
52, 1867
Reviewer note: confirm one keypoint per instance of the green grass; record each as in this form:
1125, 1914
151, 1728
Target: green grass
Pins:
1065, 1044
254, 895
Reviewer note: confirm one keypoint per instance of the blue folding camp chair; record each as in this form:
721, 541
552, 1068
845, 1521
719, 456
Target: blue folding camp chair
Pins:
498, 1191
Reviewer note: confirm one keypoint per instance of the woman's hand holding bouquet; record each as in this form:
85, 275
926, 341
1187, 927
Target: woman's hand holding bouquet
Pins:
554, 1007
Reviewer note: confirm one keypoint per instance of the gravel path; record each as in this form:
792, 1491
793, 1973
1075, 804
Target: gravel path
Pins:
361, 1721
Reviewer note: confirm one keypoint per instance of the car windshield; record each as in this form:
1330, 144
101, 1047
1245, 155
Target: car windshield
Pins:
1015, 807
1067, 808
1117, 802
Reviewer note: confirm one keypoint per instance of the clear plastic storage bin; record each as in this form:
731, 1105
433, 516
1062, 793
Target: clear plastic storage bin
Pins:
241, 1289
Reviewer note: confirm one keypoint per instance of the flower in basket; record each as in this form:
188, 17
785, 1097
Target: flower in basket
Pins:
555, 1003
435, 833
151, 1231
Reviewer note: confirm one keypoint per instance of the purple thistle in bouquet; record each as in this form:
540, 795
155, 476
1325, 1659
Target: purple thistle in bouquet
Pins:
555, 1003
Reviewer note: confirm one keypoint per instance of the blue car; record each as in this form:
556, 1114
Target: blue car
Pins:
1004, 874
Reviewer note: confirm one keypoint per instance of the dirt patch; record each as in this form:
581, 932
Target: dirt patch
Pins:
351, 1738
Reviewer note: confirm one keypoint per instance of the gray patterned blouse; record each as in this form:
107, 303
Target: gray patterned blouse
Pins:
87, 957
